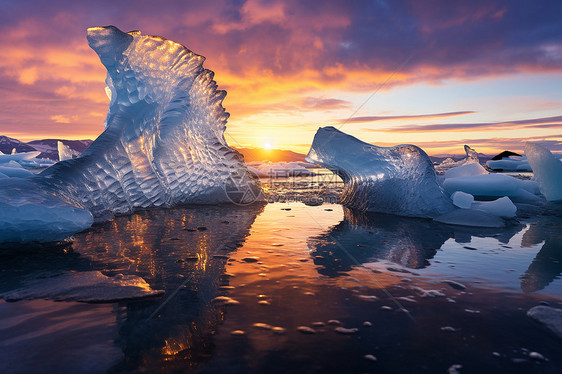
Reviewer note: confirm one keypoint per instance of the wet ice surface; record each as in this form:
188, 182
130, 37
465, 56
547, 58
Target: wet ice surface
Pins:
326, 290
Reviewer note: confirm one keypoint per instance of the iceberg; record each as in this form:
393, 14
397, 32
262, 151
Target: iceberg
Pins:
163, 142
511, 163
398, 180
485, 186
449, 163
465, 170
547, 170
65, 153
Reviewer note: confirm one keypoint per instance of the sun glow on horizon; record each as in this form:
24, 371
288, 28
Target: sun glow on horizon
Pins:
267, 146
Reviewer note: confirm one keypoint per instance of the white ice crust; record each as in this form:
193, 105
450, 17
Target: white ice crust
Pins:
493, 185
511, 163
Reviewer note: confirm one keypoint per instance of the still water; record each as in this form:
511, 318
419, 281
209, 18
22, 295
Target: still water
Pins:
285, 287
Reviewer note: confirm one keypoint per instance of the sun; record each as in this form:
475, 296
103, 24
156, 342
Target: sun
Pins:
267, 146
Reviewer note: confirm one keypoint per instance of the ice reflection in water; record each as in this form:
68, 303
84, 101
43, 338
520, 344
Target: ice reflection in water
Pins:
410, 242
300, 272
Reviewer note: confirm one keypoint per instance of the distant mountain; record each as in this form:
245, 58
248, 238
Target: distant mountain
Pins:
47, 147
8, 144
273, 155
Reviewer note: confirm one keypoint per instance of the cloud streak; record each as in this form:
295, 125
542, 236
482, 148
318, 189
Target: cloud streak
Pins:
293, 55
403, 117
545, 122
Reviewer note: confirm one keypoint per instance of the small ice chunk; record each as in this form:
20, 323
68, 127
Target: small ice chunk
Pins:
370, 357
537, 356
225, 300
429, 293
405, 298
65, 152
454, 369
502, 207
306, 330
262, 326
238, 332
548, 316
462, 199
334, 322
448, 329
473, 311
367, 297
278, 330
367, 324
344, 331
88, 286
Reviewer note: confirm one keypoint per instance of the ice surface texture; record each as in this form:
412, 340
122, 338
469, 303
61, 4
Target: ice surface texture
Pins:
164, 138
398, 180
30, 213
163, 142
547, 170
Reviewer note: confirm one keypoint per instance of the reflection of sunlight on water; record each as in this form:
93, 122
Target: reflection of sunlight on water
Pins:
290, 265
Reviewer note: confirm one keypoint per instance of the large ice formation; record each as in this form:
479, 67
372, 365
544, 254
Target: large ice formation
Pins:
398, 180
163, 142
547, 170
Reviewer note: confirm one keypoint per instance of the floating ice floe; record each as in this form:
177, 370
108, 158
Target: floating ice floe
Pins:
449, 163
30, 213
511, 163
398, 180
89, 286
163, 143
493, 185
547, 170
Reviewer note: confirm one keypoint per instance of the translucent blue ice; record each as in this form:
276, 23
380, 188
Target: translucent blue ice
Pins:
163, 142
399, 180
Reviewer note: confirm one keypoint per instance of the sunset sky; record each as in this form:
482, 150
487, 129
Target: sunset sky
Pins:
437, 73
